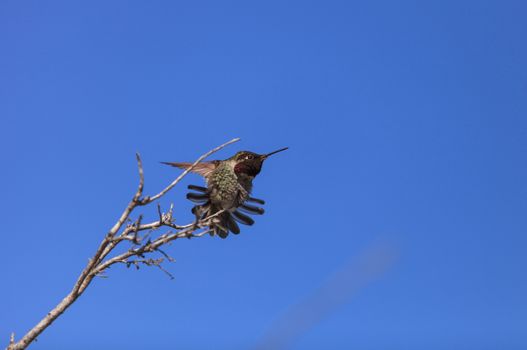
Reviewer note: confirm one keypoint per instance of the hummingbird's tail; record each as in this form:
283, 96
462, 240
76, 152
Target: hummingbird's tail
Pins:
226, 221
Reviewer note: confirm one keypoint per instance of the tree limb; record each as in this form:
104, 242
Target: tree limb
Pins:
135, 256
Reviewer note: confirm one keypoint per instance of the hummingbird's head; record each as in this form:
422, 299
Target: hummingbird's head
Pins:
250, 163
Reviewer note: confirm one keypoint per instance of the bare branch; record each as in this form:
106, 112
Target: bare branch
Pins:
148, 262
168, 257
100, 262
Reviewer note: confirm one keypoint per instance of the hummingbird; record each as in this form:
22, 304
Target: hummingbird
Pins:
229, 185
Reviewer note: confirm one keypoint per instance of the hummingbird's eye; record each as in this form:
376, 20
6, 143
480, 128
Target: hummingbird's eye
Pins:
249, 156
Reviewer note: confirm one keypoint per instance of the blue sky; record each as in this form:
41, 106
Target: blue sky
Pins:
406, 122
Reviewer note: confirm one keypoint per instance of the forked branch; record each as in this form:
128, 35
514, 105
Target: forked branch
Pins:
136, 233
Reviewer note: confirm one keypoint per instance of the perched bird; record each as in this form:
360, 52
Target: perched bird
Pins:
229, 185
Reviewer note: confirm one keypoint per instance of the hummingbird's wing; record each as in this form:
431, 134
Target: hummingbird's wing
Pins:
197, 188
198, 198
242, 218
256, 200
204, 168
230, 223
251, 209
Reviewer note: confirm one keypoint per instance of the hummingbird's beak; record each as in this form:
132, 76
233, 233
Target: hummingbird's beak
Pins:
265, 156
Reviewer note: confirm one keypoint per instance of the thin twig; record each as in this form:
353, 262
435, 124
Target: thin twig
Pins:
178, 179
